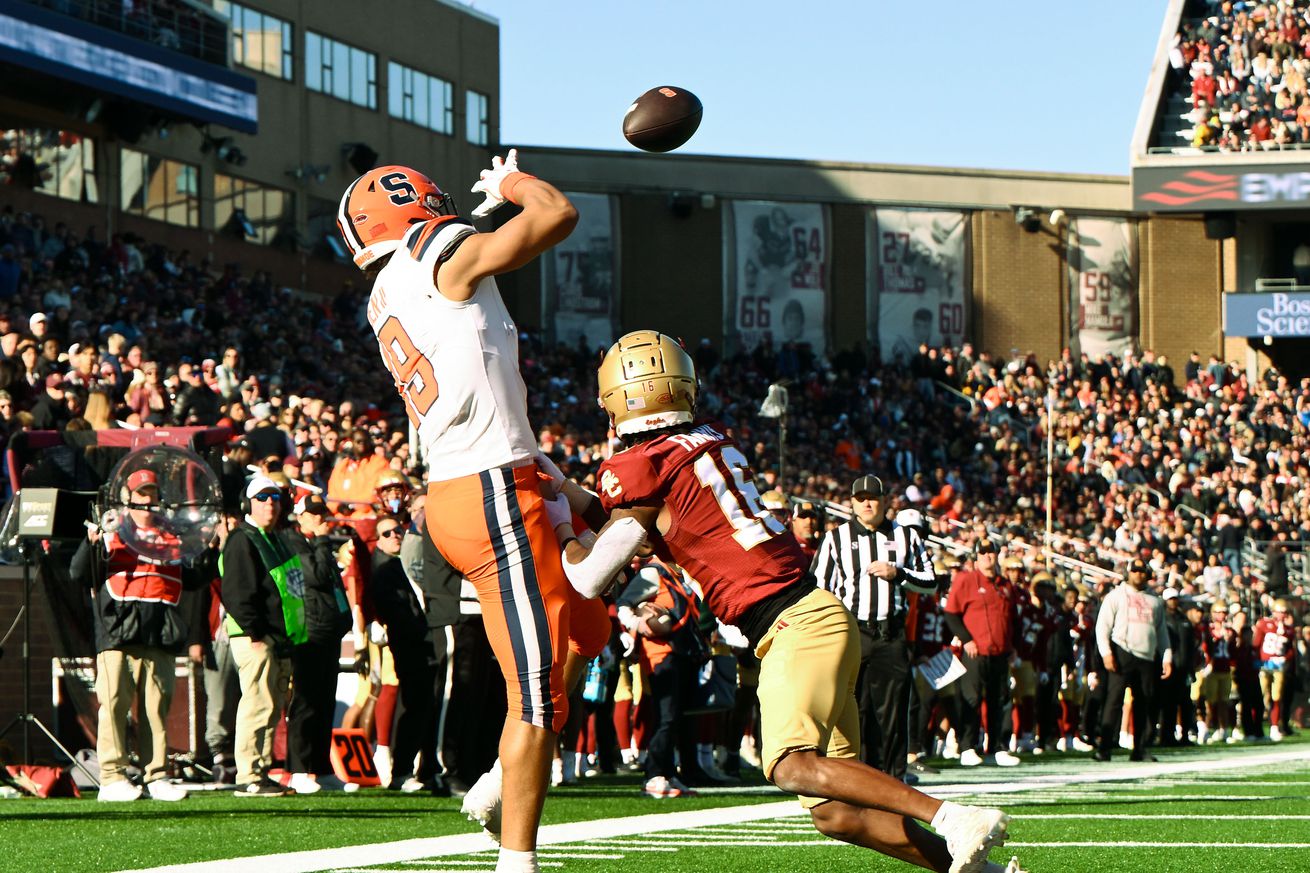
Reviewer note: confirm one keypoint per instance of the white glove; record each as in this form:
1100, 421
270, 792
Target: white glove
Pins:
557, 510
629, 643
549, 467
627, 618
377, 634
489, 183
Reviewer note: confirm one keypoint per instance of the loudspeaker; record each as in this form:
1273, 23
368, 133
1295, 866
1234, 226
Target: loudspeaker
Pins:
1220, 225
361, 158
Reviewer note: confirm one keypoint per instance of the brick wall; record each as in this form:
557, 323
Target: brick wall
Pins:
1018, 286
1179, 302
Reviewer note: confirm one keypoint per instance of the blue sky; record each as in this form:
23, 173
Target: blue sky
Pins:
1014, 84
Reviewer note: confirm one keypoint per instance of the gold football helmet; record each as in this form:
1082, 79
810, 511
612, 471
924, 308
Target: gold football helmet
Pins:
647, 381
391, 479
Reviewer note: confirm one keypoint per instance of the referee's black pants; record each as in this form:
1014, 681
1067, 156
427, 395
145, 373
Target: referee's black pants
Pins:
1139, 675
883, 691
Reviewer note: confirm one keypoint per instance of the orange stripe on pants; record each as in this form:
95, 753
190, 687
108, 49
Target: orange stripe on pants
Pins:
493, 529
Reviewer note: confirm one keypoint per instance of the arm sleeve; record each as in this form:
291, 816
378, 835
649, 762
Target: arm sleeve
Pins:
916, 571
242, 570
955, 622
825, 567
1105, 622
79, 570
1162, 634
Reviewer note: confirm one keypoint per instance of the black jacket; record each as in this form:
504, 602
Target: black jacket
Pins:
120, 623
394, 601
327, 612
440, 583
249, 594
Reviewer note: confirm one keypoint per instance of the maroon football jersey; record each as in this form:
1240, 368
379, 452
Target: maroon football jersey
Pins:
1217, 644
925, 624
1033, 629
720, 532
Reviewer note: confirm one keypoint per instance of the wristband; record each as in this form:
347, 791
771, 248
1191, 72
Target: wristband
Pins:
564, 545
510, 183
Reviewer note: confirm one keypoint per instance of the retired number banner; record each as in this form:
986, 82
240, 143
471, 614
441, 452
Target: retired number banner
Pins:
777, 288
922, 275
579, 279
1102, 286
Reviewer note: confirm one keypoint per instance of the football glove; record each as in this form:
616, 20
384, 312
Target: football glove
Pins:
488, 183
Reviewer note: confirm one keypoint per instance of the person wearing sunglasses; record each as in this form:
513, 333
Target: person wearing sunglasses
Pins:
263, 593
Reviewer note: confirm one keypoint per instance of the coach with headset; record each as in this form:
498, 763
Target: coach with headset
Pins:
870, 563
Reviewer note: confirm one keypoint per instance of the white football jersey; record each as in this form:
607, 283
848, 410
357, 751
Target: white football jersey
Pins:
455, 364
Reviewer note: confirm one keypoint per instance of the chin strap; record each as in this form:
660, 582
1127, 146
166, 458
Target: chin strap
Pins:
615, 546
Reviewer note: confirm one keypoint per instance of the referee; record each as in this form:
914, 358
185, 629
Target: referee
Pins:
869, 563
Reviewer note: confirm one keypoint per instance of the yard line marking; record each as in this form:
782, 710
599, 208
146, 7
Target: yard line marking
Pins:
402, 851
620, 844
609, 856
1141, 844
1125, 816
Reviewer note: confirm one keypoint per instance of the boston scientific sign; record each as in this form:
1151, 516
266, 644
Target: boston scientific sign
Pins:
1221, 187
1272, 315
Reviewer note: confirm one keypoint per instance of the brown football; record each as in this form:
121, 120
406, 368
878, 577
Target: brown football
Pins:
662, 119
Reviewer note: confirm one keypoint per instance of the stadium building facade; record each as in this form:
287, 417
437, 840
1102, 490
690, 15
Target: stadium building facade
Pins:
285, 102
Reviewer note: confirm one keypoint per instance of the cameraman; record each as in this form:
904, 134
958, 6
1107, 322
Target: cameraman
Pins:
139, 632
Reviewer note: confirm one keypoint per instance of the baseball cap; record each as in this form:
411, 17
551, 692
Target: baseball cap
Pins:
142, 479
54, 380
1041, 577
1170, 594
805, 509
311, 504
773, 499
260, 483
36, 319
868, 485
1138, 566
985, 547
261, 411
1219, 606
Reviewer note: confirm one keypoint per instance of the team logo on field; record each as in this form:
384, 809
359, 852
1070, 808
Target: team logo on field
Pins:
609, 483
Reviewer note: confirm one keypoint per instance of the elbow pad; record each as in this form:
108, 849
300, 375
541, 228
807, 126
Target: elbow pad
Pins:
613, 549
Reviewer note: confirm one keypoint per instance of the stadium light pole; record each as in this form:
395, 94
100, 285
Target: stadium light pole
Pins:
775, 406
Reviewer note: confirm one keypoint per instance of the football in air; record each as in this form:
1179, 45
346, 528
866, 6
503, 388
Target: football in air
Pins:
662, 119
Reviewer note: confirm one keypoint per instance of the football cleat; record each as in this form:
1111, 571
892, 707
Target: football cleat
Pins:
970, 758
482, 803
971, 834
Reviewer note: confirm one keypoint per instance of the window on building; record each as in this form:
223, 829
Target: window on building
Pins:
250, 210
343, 71
161, 189
55, 162
324, 237
476, 105
259, 41
419, 98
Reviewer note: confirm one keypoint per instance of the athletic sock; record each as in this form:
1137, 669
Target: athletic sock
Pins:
945, 815
511, 861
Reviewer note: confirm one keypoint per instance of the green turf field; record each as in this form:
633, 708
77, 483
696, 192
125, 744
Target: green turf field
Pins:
1247, 817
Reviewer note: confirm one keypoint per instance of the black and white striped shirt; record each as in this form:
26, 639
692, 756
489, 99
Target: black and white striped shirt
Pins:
847, 551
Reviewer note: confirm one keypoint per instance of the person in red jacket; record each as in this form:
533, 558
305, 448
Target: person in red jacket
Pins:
1273, 642
980, 611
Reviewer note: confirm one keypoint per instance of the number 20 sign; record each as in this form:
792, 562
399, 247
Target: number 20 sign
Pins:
352, 757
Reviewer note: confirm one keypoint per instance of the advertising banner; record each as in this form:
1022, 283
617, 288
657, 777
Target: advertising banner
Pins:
778, 274
921, 259
580, 277
1102, 258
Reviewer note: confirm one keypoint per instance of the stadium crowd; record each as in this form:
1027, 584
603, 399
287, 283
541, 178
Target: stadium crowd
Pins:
1243, 66
1178, 470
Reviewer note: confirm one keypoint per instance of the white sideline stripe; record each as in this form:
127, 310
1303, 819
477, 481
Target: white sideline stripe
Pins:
466, 844
1127, 816
1136, 844
608, 856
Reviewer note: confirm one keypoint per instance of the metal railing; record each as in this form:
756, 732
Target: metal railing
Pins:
179, 25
